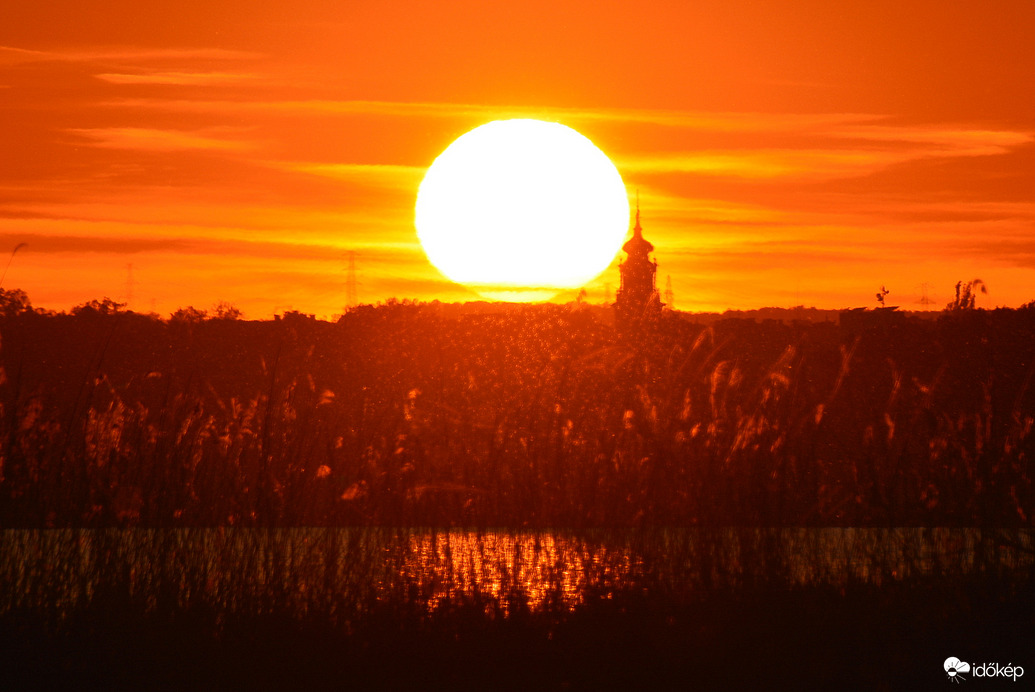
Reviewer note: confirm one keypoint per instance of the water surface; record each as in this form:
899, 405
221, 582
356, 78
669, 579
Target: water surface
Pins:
344, 572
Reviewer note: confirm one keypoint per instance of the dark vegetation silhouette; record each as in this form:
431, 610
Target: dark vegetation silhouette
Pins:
212, 499
546, 416
966, 295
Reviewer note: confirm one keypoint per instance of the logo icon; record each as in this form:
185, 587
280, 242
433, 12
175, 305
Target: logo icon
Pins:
954, 668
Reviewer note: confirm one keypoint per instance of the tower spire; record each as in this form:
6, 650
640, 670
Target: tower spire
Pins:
637, 245
637, 231
637, 302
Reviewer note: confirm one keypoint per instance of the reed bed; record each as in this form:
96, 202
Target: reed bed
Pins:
535, 417
342, 574
223, 504
387, 608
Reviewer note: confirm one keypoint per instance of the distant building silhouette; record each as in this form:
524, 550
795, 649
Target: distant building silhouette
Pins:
637, 303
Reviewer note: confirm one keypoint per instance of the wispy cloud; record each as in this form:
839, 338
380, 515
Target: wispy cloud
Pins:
389, 253
829, 152
173, 78
389, 176
951, 210
196, 222
815, 164
739, 205
146, 139
821, 146
958, 141
711, 122
14, 55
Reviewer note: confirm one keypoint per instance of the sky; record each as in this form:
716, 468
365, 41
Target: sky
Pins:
794, 153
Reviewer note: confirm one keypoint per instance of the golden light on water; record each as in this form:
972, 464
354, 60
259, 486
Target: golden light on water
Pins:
514, 569
521, 209
344, 571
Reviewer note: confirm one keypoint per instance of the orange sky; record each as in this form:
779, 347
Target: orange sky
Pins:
801, 152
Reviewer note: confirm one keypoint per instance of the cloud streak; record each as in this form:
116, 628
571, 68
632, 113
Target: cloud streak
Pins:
823, 161
387, 252
200, 158
14, 55
702, 121
388, 176
173, 78
147, 139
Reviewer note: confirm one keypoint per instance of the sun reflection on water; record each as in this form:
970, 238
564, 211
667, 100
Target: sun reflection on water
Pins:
518, 570
347, 572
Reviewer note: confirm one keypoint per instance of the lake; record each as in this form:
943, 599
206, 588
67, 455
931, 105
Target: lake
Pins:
342, 573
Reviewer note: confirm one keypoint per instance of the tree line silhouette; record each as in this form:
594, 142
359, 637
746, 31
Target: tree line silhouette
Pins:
540, 416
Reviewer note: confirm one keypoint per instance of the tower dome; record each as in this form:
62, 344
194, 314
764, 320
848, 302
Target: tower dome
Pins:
637, 245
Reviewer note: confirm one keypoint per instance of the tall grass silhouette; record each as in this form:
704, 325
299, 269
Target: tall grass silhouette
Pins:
531, 417
312, 502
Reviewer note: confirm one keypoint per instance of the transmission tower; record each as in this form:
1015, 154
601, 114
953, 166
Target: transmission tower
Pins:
924, 299
670, 297
350, 282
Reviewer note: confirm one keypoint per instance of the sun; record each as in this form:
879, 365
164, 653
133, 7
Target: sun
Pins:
522, 209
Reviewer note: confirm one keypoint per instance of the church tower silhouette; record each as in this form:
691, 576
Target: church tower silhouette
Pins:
637, 302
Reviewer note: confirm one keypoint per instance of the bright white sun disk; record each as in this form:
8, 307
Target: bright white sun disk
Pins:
520, 209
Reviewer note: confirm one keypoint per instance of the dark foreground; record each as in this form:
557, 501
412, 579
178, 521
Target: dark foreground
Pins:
423, 609
538, 416
145, 463
867, 638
